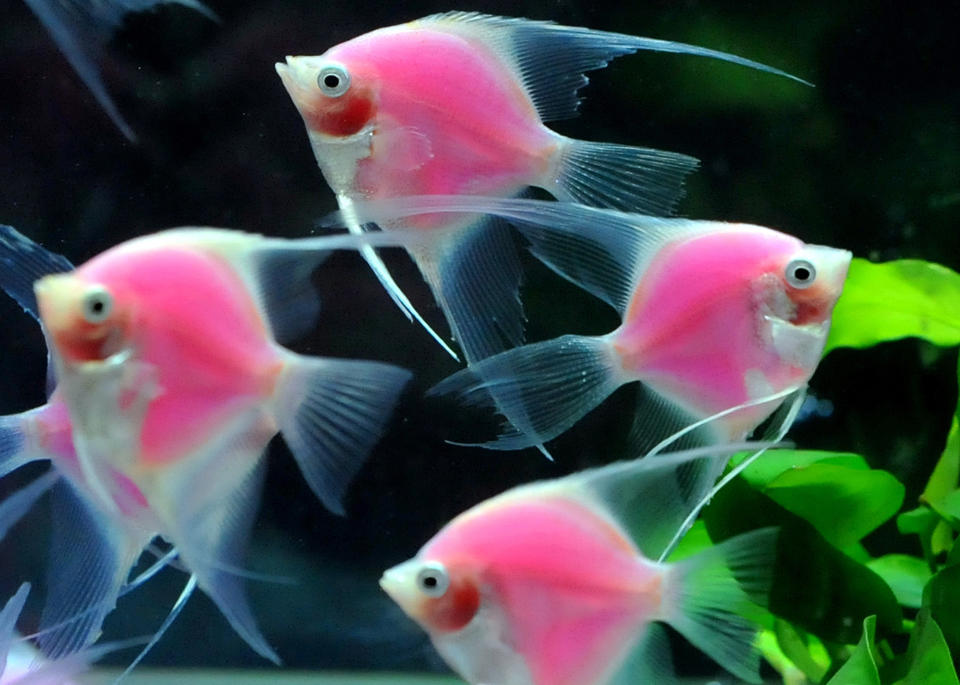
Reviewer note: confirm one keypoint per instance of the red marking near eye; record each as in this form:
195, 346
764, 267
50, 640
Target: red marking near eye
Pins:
341, 116
456, 608
811, 305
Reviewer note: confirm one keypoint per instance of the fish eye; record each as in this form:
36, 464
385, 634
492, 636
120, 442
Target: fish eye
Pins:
432, 579
801, 274
97, 304
334, 80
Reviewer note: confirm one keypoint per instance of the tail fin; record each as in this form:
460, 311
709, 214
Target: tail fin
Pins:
12, 443
541, 389
331, 412
634, 179
711, 597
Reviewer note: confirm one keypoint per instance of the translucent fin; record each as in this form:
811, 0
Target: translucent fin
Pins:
13, 442
8, 621
541, 389
19, 503
23, 262
287, 293
550, 60
601, 250
58, 671
331, 412
621, 177
710, 598
649, 497
650, 662
89, 561
475, 275
383, 275
167, 622
81, 28
211, 528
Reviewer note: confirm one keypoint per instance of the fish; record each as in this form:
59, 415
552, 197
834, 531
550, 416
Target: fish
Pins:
720, 322
554, 583
455, 103
20, 664
81, 28
170, 382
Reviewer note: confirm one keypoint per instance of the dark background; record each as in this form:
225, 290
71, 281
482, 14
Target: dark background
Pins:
868, 160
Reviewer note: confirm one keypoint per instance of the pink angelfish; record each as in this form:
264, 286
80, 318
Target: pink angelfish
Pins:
455, 103
553, 583
171, 384
720, 321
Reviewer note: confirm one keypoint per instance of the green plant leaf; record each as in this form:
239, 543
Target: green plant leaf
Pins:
816, 587
906, 576
928, 656
778, 461
861, 667
946, 473
942, 596
843, 504
900, 299
804, 652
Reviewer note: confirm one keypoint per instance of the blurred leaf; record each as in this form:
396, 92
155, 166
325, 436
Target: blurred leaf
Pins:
946, 473
900, 299
934, 534
861, 667
816, 587
928, 655
805, 652
775, 462
771, 651
694, 540
843, 504
906, 576
942, 597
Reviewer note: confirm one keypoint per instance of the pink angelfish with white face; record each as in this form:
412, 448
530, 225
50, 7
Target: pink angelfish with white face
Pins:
171, 384
455, 103
553, 583
720, 321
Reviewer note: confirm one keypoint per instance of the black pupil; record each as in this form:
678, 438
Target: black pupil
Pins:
96, 306
801, 273
331, 81
430, 582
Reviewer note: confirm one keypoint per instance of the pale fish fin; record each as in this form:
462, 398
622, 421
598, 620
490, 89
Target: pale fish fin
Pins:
621, 177
475, 275
14, 444
287, 295
650, 497
550, 60
167, 622
713, 599
80, 28
649, 662
22, 263
90, 558
601, 250
331, 413
8, 621
383, 274
541, 389
57, 672
211, 526
15, 507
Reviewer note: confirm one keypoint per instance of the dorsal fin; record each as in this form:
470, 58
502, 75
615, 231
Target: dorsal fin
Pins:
550, 60
649, 497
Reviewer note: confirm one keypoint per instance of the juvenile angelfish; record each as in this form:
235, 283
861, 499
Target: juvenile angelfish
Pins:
720, 321
455, 103
170, 385
552, 583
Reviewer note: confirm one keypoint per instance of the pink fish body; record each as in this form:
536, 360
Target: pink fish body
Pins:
720, 322
543, 585
455, 104
170, 385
